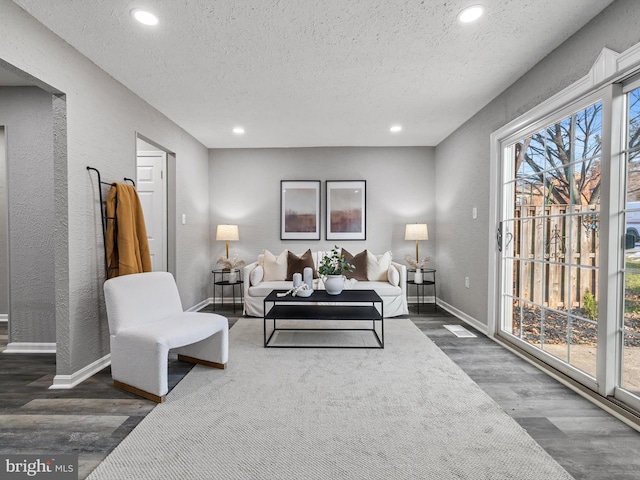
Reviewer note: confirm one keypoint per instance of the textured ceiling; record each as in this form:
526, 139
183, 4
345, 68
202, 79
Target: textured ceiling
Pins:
315, 73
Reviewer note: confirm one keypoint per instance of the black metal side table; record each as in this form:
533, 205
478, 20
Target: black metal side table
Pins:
221, 278
428, 280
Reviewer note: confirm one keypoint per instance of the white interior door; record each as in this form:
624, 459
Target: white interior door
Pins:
151, 184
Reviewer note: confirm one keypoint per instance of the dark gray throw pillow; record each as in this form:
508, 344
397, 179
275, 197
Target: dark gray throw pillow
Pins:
360, 262
297, 264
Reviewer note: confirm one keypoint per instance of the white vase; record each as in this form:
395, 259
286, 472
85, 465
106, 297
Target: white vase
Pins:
334, 284
417, 277
233, 275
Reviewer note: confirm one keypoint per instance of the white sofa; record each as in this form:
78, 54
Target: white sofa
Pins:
393, 296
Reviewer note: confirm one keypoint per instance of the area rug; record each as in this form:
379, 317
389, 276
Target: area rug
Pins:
402, 412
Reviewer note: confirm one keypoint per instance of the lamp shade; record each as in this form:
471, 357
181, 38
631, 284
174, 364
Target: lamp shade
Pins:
227, 232
416, 231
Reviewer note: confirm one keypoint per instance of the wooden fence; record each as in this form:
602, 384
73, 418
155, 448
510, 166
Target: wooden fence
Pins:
556, 249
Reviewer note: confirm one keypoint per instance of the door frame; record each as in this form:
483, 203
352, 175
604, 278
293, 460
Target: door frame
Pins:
170, 197
165, 232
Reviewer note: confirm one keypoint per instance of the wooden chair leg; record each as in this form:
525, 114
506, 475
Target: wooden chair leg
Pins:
142, 393
186, 358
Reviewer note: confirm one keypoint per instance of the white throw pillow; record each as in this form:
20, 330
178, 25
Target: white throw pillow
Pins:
378, 266
275, 268
393, 276
256, 275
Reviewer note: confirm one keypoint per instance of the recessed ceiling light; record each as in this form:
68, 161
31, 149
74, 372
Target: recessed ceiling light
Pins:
471, 14
395, 128
144, 17
238, 130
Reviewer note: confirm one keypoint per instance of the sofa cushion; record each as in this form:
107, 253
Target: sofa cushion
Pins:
378, 266
264, 288
275, 268
297, 264
256, 276
358, 260
384, 289
393, 276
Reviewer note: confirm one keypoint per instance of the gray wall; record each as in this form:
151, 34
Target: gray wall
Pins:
4, 230
26, 113
245, 190
102, 119
462, 160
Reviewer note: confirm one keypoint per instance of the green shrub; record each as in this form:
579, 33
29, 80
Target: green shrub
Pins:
590, 305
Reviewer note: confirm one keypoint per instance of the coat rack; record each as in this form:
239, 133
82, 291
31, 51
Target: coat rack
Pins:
103, 213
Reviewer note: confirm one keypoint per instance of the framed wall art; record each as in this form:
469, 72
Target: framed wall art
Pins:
346, 210
300, 210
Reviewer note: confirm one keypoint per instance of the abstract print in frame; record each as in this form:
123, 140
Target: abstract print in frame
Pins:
300, 210
346, 210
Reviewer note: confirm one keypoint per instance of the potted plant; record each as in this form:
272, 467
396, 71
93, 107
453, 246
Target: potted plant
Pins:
332, 268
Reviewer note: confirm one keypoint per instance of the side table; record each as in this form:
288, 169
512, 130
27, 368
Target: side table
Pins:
221, 278
428, 280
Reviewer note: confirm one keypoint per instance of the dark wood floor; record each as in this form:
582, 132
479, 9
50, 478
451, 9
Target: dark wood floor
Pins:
94, 417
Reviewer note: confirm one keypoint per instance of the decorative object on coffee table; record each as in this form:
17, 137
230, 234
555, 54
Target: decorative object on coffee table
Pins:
300, 210
332, 268
346, 210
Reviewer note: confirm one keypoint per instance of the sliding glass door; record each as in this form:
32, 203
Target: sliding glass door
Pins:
551, 241
629, 378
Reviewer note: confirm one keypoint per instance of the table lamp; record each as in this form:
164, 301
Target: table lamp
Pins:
417, 232
227, 233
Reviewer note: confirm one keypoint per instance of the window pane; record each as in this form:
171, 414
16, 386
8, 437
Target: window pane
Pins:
556, 239
555, 334
588, 132
557, 187
529, 327
634, 118
631, 363
534, 160
586, 182
510, 238
584, 292
632, 299
533, 232
559, 143
516, 323
583, 346
584, 238
633, 180
530, 282
529, 191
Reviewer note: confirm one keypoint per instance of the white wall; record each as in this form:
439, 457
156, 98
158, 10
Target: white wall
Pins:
27, 114
462, 160
245, 190
102, 119
4, 227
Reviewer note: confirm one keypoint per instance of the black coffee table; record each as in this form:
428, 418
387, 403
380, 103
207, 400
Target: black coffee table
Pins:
359, 305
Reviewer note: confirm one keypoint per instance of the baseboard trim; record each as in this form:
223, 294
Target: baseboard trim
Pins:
30, 347
200, 305
65, 382
428, 299
481, 327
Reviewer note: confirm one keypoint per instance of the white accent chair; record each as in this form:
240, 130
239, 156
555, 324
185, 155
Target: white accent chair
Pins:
146, 320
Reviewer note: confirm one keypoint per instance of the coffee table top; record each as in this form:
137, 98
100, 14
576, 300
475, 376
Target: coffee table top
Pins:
323, 296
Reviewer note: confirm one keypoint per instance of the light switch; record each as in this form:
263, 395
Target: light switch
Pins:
474, 212
184, 218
